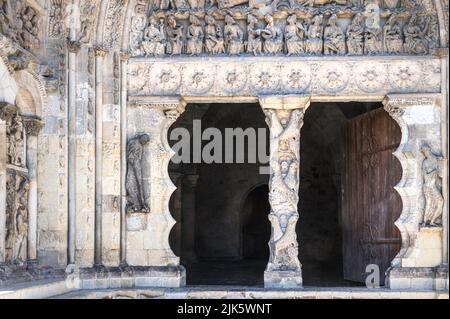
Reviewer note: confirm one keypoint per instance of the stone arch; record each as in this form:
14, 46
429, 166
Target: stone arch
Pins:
31, 95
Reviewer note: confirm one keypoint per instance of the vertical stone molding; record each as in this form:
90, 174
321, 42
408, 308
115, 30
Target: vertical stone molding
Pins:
3, 161
420, 223
149, 187
189, 214
284, 116
32, 128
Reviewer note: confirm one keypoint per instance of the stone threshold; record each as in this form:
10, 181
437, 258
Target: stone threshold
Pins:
39, 289
227, 292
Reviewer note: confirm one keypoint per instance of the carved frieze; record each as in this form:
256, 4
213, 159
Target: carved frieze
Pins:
254, 76
235, 27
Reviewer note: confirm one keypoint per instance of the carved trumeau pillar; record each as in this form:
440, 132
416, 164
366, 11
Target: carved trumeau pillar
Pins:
284, 116
422, 190
148, 229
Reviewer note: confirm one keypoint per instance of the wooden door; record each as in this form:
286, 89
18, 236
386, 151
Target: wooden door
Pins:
370, 205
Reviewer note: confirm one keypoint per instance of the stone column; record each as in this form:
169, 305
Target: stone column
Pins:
73, 49
32, 128
420, 223
100, 54
188, 219
176, 210
148, 231
3, 176
284, 116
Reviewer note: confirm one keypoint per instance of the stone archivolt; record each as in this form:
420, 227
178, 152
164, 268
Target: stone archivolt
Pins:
234, 27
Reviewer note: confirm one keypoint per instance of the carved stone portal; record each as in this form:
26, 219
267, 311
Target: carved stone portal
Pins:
284, 117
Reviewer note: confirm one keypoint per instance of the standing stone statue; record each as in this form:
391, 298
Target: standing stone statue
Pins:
294, 36
15, 142
174, 36
355, 35
334, 38
194, 36
254, 43
432, 187
17, 218
273, 37
393, 35
136, 202
233, 36
213, 36
314, 43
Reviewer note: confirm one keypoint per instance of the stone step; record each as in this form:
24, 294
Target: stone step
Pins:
40, 289
217, 292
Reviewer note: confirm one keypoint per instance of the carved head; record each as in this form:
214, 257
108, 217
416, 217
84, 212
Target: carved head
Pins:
426, 150
292, 19
194, 20
171, 21
229, 20
332, 20
210, 20
269, 19
251, 19
144, 139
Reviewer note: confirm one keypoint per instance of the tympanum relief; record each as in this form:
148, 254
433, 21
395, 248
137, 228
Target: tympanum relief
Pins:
234, 27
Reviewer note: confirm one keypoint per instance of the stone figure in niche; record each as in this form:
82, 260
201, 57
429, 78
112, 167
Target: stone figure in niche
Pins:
175, 36
432, 36
234, 36
17, 218
372, 39
415, 31
294, 36
5, 25
393, 35
180, 5
355, 35
30, 30
314, 43
334, 38
194, 36
273, 37
196, 4
254, 43
154, 39
432, 186
138, 25
136, 201
213, 36
15, 141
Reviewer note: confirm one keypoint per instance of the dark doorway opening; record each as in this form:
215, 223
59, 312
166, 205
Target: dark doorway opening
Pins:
222, 229
331, 229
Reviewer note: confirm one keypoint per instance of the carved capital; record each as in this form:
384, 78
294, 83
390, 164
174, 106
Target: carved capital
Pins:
285, 102
100, 51
73, 46
7, 110
397, 104
124, 56
33, 125
172, 107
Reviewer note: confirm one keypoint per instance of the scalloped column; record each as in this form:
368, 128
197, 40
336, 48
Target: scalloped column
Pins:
284, 116
147, 238
419, 117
